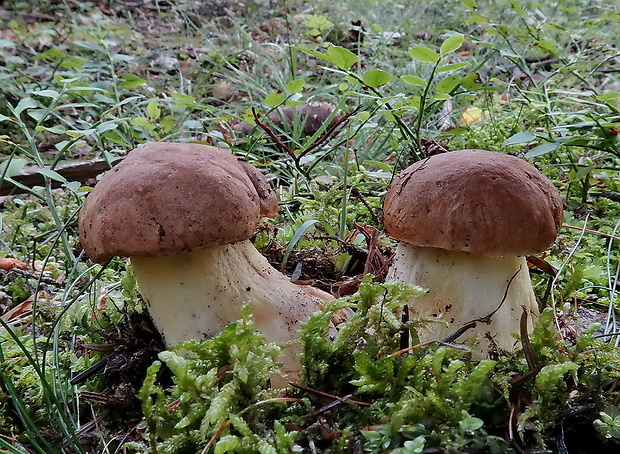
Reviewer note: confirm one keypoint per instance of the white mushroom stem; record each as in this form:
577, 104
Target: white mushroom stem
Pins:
464, 287
193, 295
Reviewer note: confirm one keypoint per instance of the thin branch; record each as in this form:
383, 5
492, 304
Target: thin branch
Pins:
329, 396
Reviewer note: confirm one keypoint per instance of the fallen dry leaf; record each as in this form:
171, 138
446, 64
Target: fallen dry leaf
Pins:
8, 264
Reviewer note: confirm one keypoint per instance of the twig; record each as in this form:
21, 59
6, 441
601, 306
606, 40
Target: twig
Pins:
89, 372
79, 171
31, 275
362, 199
596, 232
339, 401
281, 145
408, 349
215, 436
525, 341
329, 132
449, 340
322, 394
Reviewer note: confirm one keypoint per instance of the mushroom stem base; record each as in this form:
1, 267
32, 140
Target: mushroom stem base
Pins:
194, 295
463, 287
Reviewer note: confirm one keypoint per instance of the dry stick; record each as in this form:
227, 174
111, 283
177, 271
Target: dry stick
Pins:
281, 145
596, 232
329, 406
89, 372
215, 436
448, 340
487, 318
525, 341
31, 275
322, 394
324, 137
80, 171
85, 428
362, 199
329, 132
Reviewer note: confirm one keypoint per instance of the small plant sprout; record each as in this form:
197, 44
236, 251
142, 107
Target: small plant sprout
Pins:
465, 221
184, 214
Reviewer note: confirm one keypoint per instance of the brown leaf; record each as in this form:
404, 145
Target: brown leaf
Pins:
8, 264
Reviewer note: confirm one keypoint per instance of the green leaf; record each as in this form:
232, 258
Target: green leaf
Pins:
376, 77
52, 174
73, 186
543, 149
472, 82
414, 101
341, 58
476, 19
12, 166
362, 116
424, 54
451, 44
86, 89
471, 4
107, 126
314, 53
37, 114
414, 446
24, 104
183, 97
275, 98
131, 81
445, 86
73, 63
608, 96
47, 93
520, 137
51, 55
516, 5
295, 86
7, 44
470, 423
414, 80
227, 443
90, 46
547, 45
452, 67
167, 124
57, 129
142, 122
153, 110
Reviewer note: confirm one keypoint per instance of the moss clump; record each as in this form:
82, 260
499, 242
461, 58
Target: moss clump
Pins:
383, 397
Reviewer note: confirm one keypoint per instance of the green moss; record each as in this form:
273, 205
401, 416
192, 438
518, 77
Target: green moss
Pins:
427, 397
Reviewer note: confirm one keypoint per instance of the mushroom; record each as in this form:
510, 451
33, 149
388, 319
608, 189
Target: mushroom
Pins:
465, 221
184, 214
311, 115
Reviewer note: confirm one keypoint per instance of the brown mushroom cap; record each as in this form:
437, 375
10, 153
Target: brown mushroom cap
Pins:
164, 198
476, 201
312, 116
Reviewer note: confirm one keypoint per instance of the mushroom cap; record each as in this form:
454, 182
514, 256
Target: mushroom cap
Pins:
312, 115
165, 198
481, 202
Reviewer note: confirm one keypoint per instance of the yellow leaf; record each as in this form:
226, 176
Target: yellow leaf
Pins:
472, 115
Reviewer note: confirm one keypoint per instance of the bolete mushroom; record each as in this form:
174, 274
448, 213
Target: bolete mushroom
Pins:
184, 214
311, 115
465, 221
